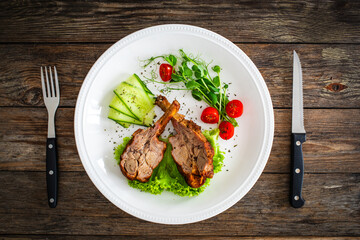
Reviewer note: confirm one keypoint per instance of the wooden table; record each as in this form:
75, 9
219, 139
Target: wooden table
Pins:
72, 35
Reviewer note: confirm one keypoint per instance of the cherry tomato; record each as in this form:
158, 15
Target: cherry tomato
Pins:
234, 108
226, 130
210, 115
165, 72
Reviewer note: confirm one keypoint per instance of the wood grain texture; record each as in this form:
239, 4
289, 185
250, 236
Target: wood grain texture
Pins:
240, 21
323, 65
265, 210
166, 237
333, 143
73, 34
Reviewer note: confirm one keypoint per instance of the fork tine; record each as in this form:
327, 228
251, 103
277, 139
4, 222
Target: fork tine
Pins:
47, 82
52, 84
56, 83
43, 82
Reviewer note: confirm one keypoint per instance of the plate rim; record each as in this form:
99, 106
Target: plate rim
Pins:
263, 155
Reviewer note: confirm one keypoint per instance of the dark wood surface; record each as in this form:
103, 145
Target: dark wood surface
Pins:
72, 35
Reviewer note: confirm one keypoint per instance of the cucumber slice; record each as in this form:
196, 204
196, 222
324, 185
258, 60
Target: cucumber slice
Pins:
133, 103
149, 118
136, 100
143, 85
120, 117
118, 104
135, 81
125, 125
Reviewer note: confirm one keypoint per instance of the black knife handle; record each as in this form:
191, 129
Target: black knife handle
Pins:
51, 171
297, 169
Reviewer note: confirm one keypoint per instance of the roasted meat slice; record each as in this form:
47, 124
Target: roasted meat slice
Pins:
145, 151
192, 152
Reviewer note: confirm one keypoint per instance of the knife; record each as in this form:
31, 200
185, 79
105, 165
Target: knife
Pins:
298, 137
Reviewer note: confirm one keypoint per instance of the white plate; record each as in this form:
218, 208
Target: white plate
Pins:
95, 134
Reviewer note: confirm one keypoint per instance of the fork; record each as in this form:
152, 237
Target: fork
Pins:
51, 96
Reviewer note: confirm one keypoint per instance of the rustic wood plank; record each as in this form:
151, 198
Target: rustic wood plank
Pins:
333, 143
332, 209
71, 237
23, 139
331, 85
21, 85
327, 149
330, 75
323, 65
240, 21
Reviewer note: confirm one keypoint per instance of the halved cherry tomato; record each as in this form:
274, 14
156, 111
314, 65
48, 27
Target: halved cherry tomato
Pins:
210, 115
226, 130
165, 72
234, 108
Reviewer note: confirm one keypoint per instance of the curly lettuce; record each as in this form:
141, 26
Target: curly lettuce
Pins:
218, 160
120, 149
166, 175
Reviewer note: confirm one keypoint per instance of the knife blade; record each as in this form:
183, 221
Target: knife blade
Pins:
298, 137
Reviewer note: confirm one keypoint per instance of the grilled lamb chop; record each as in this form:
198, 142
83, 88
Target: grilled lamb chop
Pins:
192, 152
145, 151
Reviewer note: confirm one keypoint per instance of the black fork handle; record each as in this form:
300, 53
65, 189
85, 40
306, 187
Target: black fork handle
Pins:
51, 171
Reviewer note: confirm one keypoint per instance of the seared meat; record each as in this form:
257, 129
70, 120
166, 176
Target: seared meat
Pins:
145, 151
192, 152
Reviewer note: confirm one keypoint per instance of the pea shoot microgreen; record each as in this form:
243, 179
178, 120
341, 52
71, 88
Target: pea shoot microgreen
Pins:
194, 73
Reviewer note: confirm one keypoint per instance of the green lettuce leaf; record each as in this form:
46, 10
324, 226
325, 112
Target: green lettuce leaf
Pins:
120, 149
166, 175
218, 160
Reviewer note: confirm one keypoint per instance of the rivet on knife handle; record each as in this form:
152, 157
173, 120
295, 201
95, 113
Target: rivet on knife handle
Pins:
297, 169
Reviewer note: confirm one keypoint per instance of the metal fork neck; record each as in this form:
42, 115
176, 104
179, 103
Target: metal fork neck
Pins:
51, 124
